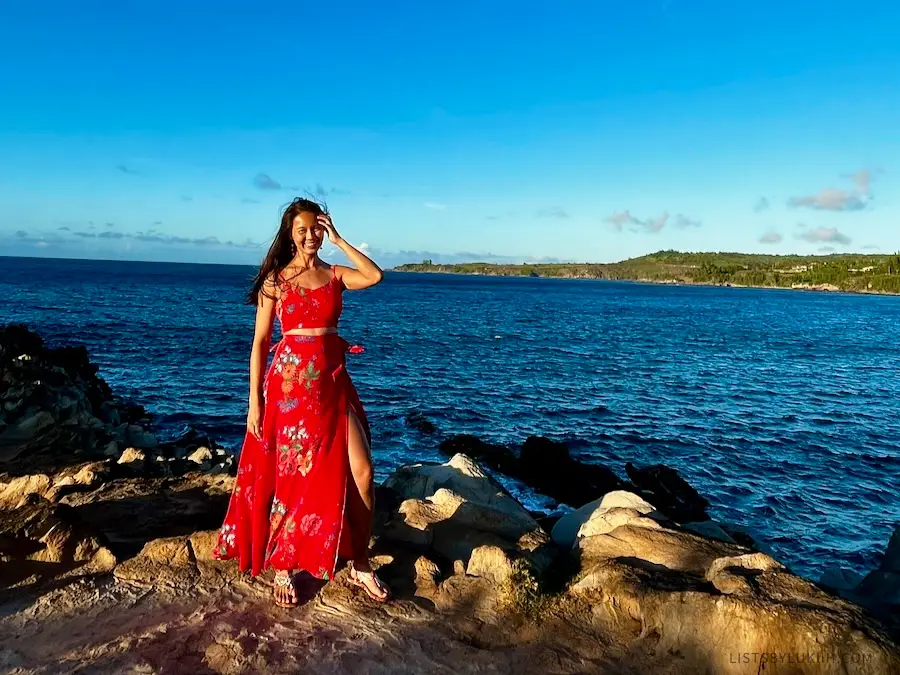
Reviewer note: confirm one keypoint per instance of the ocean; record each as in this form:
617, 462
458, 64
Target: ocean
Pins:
781, 407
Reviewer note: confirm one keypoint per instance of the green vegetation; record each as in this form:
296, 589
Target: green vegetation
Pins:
844, 271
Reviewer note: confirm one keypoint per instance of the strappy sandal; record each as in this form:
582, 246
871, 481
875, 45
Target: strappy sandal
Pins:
285, 580
356, 578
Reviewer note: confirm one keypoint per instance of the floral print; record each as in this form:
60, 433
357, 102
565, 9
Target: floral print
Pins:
294, 500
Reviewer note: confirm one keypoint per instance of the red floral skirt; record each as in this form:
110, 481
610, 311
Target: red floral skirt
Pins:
295, 504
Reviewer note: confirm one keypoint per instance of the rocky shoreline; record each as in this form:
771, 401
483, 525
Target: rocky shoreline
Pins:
106, 537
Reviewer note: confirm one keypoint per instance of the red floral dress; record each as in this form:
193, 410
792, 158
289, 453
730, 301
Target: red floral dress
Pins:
295, 504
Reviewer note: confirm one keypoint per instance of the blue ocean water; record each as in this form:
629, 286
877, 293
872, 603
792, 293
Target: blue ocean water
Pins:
779, 406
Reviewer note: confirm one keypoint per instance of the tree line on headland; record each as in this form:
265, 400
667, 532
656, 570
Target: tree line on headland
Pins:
839, 272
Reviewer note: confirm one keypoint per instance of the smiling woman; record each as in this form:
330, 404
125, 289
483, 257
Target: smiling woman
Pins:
294, 505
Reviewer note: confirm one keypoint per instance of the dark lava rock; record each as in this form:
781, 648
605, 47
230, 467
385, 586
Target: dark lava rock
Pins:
416, 419
497, 457
664, 487
548, 467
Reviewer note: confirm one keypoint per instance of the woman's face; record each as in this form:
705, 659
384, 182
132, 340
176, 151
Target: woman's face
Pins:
307, 233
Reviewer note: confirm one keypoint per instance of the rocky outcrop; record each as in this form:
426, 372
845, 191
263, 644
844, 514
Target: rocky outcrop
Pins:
106, 567
455, 508
671, 493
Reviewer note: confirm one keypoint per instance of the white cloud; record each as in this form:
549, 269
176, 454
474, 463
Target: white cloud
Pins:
435, 206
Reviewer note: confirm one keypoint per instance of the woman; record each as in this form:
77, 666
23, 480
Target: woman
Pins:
303, 495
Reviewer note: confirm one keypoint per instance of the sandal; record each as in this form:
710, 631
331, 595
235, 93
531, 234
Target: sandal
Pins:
285, 580
358, 578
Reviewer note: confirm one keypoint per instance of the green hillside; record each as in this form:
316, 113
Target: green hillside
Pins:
847, 272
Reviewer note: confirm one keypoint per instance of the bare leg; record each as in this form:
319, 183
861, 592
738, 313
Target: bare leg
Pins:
361, 469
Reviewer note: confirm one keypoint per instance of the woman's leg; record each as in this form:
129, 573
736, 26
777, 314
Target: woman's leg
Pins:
361, 468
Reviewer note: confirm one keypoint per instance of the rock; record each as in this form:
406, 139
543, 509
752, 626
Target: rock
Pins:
771, 614
891, 561
674, 550
490, 562
880, 589
138, 437
671, 494
202, 456
130, 455
27, 429
416, 419
40, 540
547, 466
838, 578
427, 573
604, 521
112, 449
495, 456
14, 491
456, 507
624, 506
709, 528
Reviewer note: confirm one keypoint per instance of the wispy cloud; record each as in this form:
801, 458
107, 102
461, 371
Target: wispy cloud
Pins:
109, 224
683, 221
263, 181
834, 199
152, 236
870, 247
771, 238
826, 249
21, 234
622, 219
126, 169
64, 228
435, 206
824, 235
552, 212
247, 200
761, 205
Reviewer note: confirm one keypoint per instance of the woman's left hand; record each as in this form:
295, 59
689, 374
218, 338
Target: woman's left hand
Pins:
326, 222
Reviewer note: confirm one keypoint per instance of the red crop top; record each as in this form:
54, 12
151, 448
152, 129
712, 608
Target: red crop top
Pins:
299, 307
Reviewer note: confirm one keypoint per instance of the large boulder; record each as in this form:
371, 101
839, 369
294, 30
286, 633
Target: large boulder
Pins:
671, 493
603, 515
745, 614
548, 467
880, 588
454, 508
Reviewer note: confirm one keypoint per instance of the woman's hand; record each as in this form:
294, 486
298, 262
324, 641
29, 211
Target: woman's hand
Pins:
326, 222
254, 419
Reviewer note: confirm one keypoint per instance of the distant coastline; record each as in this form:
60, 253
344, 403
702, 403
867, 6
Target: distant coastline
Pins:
847, 273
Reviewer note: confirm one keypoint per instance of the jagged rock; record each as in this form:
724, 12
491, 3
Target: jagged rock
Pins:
547, 466
456, 507
880, 588
130, 455
604, 521
14, 491
671, 494
675, 550
39, 540
711, 529
624, 506
773, 612
495, 456
416, 419
202, 456
490, 562
840, 579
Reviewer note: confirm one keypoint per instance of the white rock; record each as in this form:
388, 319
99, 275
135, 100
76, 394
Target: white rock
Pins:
201, 455
131, 455
603, 521
566, 530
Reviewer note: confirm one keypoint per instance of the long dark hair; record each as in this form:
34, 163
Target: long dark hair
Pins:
281, 252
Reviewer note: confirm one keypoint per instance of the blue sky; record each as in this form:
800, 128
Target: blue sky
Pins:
589, 131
